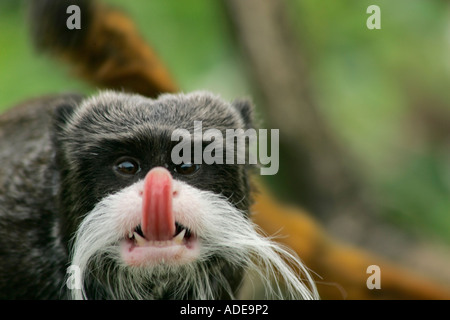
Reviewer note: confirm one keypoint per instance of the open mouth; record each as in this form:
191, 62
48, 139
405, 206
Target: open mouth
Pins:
137, 250
159, 238
182, 236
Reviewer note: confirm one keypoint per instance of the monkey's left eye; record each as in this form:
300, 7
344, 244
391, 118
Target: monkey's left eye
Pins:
127, 167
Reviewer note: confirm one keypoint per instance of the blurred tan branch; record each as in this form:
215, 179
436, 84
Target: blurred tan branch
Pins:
321, 173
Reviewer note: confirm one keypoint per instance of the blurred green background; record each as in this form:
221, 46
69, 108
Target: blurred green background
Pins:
386, 93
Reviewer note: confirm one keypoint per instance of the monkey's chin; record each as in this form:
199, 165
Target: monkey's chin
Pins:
151, 253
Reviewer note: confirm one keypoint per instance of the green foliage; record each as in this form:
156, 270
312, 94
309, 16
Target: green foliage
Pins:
23, 73
374, 87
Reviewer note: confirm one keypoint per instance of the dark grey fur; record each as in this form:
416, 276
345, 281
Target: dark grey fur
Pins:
56, 156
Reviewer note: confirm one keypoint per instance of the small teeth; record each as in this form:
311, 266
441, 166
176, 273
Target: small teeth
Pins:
140, 241
179, 238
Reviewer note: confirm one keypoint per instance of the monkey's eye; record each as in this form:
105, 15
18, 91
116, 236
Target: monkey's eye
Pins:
127, 166
187, 168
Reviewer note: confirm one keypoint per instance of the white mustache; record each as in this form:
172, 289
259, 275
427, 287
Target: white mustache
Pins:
223, 232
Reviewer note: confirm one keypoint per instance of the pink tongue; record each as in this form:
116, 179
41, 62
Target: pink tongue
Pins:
158, 223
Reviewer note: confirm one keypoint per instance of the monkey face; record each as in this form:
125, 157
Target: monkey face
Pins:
113, 140
143, 226
123, 195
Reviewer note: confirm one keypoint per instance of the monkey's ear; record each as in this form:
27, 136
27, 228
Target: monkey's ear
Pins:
63, 111
245, 108
62, 114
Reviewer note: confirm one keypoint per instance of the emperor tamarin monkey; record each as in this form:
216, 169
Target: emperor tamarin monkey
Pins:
88, 183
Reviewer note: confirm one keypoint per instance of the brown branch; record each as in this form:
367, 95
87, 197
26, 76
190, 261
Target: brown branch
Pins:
321, 172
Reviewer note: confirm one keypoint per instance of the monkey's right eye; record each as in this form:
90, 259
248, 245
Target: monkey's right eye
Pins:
127, 167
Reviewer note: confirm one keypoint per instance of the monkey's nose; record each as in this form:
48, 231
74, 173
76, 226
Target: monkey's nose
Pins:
158, 222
